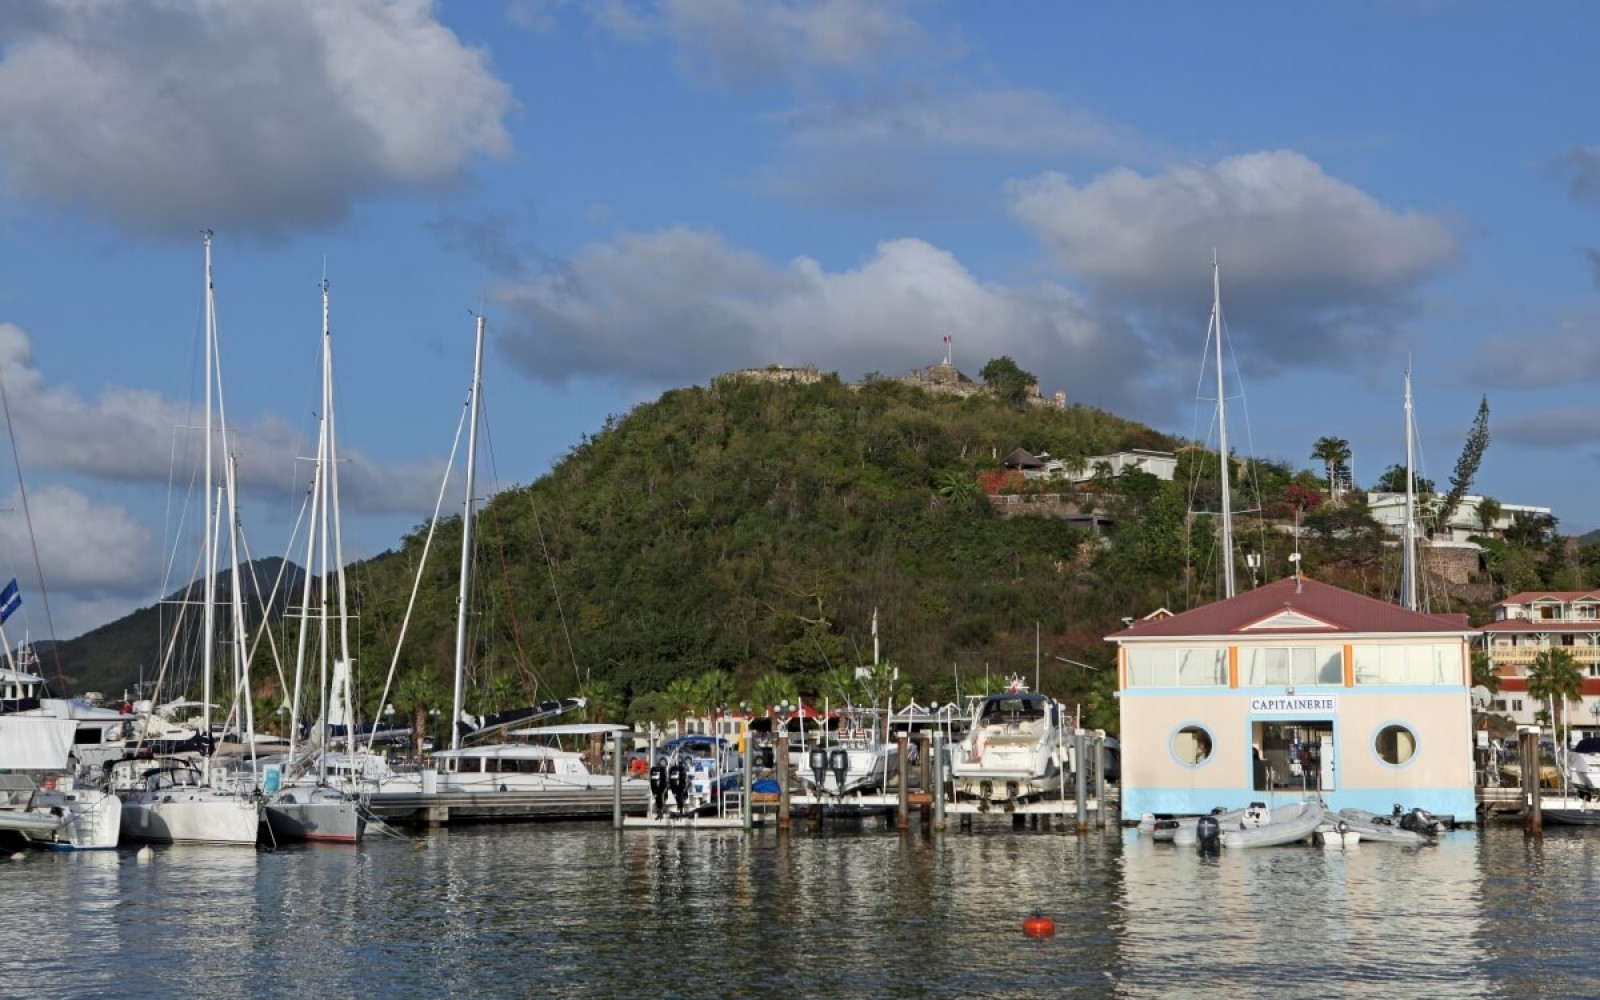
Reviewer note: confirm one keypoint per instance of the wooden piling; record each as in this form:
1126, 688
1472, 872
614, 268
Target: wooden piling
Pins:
902, 814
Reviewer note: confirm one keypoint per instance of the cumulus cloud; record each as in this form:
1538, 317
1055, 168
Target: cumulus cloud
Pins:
1570, 354
680, 305
137, 437
1558, 427
1580, 167
1314, 270
1000, 120
743, 43
257, 115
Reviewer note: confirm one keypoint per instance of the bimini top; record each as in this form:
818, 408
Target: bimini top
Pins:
576, 729
507, 751
1295, 607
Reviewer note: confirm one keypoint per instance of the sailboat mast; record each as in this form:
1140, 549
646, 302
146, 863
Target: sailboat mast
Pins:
339, 694
1408, 557
1222, 435
466, 537
209, 581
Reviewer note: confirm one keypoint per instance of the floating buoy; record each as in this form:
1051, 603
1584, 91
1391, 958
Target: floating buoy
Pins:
1039, 926
18, 856
145, 853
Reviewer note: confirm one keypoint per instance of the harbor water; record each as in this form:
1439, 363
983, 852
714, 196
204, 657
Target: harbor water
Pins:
582, 910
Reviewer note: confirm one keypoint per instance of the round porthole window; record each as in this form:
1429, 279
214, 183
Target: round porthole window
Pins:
1395, 744
1192, 746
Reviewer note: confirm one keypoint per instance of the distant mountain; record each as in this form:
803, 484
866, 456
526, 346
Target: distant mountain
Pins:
114, 658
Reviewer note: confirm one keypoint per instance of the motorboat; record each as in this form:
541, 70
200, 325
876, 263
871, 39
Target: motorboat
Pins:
851, 758
692, 774
1286, 824
1412, 828
43, 801
1185, 831
1017, 748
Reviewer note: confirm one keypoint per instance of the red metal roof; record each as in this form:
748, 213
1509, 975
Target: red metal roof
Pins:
1294, 607
1529, 596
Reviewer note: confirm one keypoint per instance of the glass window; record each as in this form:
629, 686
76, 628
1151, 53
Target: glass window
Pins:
1306, 666
1192, 746
1395, 745
1429, 663
1203, 666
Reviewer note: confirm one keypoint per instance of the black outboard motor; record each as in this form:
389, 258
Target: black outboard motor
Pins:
658, 784
1208, 831
678, 781
818, 759
839, 763
1420, 821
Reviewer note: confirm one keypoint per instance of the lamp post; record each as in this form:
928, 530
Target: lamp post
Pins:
1594, 710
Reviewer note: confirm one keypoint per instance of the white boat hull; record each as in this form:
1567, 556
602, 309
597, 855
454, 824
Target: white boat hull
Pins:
191, 815
1289, 824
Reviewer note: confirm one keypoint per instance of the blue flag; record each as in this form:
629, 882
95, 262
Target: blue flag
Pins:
10, 600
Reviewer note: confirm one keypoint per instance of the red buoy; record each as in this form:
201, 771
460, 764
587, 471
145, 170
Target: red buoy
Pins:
1039, 926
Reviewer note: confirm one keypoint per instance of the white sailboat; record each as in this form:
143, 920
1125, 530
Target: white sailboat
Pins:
181, 800
303, 800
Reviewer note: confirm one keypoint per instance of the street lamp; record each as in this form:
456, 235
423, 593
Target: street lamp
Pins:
1594, 710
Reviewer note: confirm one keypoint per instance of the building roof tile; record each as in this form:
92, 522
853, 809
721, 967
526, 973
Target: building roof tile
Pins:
1300, 607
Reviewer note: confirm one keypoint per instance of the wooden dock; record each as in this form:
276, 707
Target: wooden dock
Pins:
544, 805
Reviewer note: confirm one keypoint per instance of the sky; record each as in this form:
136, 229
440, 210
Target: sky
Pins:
638, 195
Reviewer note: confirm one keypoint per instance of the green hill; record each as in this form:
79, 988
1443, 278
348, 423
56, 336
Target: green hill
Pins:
733, 542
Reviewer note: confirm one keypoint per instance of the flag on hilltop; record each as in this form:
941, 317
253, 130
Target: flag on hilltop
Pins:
10, 600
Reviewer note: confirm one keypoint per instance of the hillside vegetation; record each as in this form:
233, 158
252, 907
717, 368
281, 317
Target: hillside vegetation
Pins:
732, 543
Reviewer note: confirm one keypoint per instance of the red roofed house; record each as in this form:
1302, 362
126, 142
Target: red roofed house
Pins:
1528, 623
1296, 689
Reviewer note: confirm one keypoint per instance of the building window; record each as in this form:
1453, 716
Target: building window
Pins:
1516, 704
1547, 612
1431, 663
1192, 746
1308, 666
1395, 745
1499, 704
1202, 666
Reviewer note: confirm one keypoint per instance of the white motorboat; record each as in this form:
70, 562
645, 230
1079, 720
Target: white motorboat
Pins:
42, 800
691, 774
850, 759
1018, 747
1287, 824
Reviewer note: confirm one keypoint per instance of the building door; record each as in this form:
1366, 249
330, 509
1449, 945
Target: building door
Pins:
1293, 755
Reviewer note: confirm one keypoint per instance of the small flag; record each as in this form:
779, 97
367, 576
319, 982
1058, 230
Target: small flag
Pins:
10, 600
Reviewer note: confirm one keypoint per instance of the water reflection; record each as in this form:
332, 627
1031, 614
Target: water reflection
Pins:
583, 910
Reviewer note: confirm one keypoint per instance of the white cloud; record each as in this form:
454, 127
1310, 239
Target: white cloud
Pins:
1317, 270
138, 437
1570, 354
742, 43
1001, 120
680, 306
256, 115
1580, 166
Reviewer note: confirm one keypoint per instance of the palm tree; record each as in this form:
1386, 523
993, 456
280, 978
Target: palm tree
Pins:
714, 691
1489, 511
682, 698
1334, 454
959, 488
600, 701
770, 689
1555, 678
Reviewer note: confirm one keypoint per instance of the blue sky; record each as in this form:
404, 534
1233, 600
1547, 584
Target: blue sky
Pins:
640, 195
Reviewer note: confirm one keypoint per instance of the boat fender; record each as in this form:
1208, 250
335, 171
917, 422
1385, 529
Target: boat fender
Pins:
978, 745
1039, 926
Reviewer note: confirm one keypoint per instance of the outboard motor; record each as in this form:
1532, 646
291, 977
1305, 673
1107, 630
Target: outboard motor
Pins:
678, 782
818, 759
658, 784
1208, 831
839, 763
769, 757
1420, 821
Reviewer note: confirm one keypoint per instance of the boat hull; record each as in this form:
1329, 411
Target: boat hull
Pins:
191, 816
321, 815
1289, 824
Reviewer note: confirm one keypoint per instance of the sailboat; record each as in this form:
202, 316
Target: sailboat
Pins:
302, 801
189, 800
